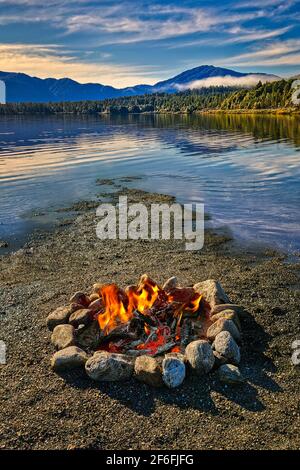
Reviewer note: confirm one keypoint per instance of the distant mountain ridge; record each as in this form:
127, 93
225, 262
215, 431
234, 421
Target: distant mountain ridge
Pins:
24, 88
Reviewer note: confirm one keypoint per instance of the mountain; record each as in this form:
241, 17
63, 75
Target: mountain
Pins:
24, 88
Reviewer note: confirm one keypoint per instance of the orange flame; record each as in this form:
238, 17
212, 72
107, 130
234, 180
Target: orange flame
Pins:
120, 307
115, 311
194, 304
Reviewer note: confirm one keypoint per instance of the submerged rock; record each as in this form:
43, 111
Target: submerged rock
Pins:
223, 324
109, 367
230, 374
148, 370
68, 358
212, 292
200, 356
173, 371
63, 336
226, 346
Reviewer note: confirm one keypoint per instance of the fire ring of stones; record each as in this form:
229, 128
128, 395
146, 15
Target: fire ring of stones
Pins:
156, 334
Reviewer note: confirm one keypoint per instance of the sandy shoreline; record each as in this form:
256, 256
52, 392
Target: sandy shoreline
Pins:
41, 410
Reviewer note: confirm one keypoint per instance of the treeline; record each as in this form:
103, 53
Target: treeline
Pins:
271, 95
263, 96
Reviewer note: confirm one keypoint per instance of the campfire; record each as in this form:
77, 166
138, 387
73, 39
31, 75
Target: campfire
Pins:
148, 319
154, 332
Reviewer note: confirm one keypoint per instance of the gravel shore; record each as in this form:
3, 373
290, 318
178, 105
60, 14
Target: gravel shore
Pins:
42, 410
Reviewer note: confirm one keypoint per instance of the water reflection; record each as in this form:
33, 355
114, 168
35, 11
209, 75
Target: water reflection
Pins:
244, 167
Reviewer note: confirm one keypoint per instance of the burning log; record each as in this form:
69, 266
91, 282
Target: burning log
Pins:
164, 348
131, 330
148, 319
119, 332
136, 327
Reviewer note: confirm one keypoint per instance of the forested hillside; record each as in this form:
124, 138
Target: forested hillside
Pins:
275, 95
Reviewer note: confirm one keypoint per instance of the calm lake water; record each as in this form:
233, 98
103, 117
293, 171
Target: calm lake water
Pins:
246, 169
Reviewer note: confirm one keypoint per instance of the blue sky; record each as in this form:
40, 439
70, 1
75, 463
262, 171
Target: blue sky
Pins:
130, 42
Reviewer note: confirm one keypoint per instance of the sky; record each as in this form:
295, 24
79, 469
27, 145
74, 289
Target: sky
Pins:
124, 43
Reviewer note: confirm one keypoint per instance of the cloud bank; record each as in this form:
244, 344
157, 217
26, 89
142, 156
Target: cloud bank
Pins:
227, 80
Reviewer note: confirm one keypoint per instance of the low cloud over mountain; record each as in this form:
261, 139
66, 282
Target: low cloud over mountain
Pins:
23, 88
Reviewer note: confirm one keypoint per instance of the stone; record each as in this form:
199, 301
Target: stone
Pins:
212, 292
178, 355
173, 371
200, 356
81, 317
68, 358
58, 317
88, 337
225, 345
96, 306
93, 297
230, 374
148, 370
219, 360
3, 244
109, 367
170, 284
223, 325
228, 314
80, 298
238, 309
96, 289
63, 336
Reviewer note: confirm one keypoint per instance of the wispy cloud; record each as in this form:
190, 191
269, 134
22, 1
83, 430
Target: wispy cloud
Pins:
272, 54
103, 30
47, 61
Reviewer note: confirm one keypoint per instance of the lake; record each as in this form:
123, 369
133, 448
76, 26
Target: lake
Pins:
245, 168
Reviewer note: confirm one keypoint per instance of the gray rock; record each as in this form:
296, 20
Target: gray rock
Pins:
3, 244
200, 356
88, 337
96, 306
178, 355
225, 345
96, 289
230, 374
170, 284
227, 314
58, 317
68, 358
239, 310
212, 292
223, 325
81, 317
80, 298
173, 371
63, 336
148, 370
109, 367
219, 360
